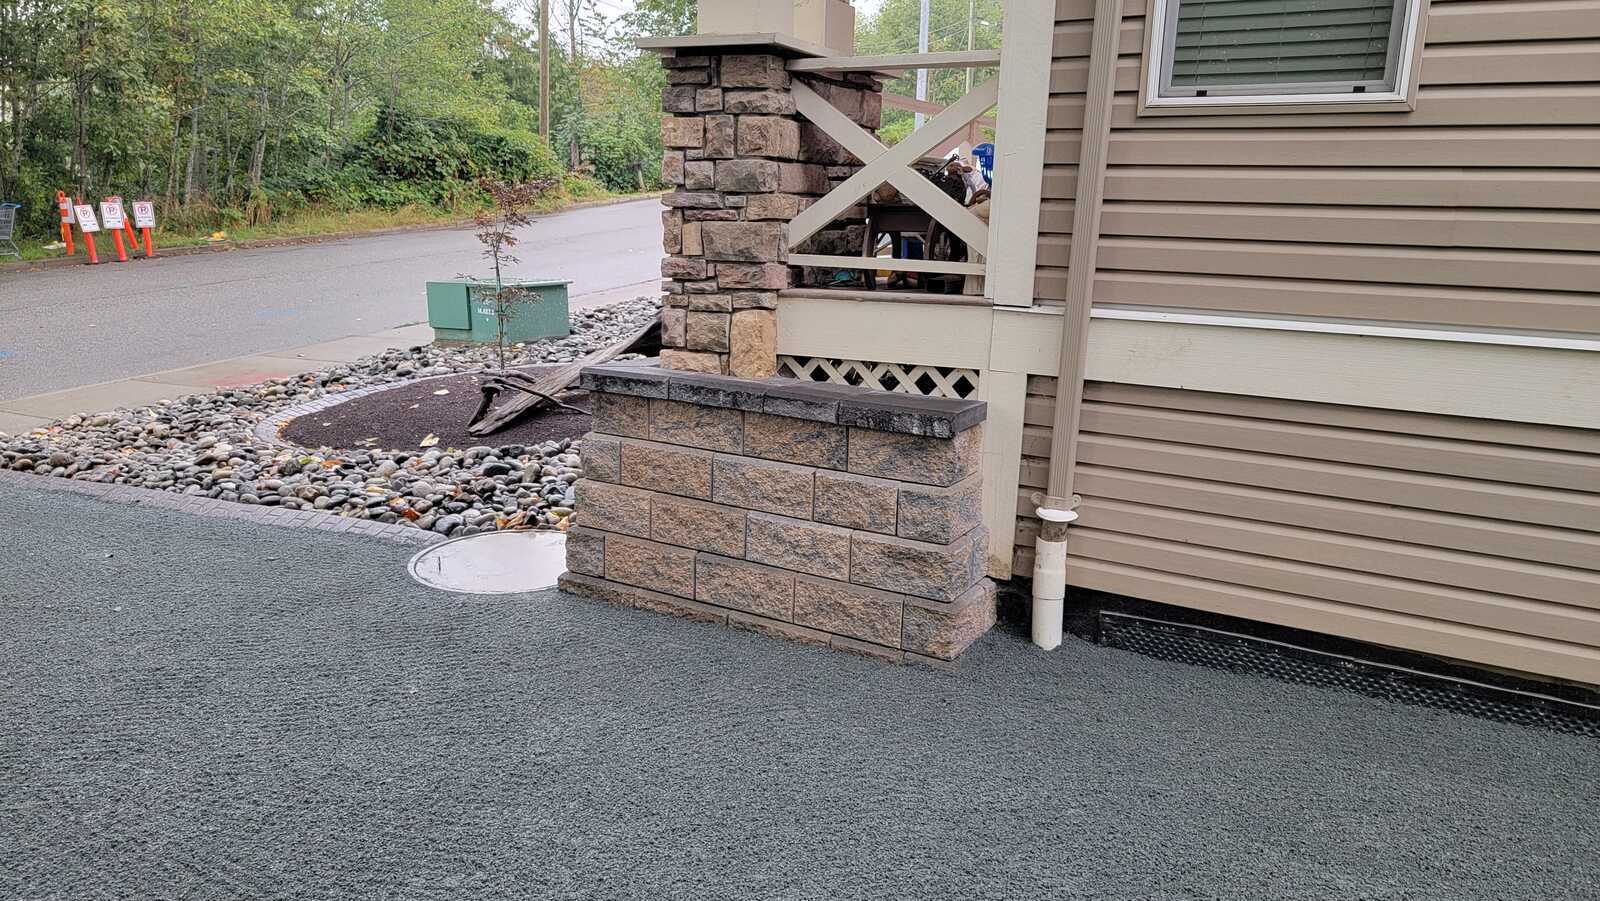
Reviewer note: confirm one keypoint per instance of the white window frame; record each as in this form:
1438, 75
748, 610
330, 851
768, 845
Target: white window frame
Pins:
1406, 52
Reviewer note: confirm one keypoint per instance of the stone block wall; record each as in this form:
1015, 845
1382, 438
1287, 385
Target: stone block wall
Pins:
742, 163
826, 514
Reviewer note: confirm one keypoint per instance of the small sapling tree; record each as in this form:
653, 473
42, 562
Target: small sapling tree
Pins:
497, 232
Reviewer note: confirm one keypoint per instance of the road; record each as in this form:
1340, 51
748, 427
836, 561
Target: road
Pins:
80, 325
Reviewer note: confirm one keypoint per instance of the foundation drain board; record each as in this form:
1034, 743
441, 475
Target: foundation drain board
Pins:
493, 563
1216, 649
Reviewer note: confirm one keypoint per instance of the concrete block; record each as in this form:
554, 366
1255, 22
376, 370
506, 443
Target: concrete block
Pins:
586, 553
854, 611
666, 467
762, 485
650, 564
940, 515
856, 502
622, 414
613, 508
699, 525
915, 458
602, 457
799, 545
942, 572
943, 631
788, 440
691, 425
745, 586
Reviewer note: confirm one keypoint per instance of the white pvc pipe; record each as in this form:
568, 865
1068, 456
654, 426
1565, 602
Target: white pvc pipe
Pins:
1050, 579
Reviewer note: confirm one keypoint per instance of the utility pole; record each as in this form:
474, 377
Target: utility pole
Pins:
573, 7
972, 36
544, 70
922, 47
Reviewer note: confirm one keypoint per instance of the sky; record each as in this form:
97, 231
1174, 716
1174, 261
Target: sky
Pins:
616, 7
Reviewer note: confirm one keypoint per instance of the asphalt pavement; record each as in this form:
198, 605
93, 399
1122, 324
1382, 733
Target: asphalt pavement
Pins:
81, 325
200, 708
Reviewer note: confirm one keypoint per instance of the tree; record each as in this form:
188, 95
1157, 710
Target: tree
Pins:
497, 232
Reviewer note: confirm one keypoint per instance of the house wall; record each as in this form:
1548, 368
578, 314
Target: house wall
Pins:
1425, 477
1481, 208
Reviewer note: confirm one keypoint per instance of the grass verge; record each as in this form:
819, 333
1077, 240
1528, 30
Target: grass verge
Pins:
317, 220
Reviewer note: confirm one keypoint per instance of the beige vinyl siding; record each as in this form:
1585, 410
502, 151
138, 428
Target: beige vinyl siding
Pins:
1479, 209
1472, 539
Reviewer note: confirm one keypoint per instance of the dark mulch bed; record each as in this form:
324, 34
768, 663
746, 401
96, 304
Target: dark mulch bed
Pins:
400, 418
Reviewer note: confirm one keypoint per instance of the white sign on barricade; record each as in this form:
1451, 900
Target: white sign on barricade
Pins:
111, 214
86, 221
144, 214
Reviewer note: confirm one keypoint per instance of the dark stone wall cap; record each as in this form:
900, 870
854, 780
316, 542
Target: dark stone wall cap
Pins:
912, 414
848, 405
637, 379
710, 390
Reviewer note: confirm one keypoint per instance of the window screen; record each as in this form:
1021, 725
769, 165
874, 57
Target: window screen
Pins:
1281, 46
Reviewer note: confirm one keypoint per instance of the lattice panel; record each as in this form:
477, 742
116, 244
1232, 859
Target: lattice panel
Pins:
905, 378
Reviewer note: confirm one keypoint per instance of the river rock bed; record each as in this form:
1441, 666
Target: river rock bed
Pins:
205, 445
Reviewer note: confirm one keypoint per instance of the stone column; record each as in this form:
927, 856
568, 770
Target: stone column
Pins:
742, 165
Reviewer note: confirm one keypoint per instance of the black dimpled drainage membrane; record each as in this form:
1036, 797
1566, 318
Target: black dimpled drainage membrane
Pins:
1215, 649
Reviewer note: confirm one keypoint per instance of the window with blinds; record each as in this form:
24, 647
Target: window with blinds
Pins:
1231, 47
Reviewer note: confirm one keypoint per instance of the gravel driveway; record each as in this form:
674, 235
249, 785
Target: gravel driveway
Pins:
196, 709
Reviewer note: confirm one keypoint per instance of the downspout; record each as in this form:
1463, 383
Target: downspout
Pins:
1058, 507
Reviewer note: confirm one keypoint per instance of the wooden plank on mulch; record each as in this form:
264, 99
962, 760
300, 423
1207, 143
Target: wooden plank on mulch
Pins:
559, 380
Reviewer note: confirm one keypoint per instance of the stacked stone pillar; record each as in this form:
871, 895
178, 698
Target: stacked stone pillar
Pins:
742, 164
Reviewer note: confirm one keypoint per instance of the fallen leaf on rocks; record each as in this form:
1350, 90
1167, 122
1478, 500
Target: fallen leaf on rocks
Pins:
441, 392
430, 441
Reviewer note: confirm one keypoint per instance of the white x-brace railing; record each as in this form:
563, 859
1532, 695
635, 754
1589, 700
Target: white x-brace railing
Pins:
892, 165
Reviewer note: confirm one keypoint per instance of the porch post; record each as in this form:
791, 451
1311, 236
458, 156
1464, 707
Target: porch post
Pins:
1019, 143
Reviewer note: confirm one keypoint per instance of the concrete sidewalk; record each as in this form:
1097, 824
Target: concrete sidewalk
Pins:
25, 414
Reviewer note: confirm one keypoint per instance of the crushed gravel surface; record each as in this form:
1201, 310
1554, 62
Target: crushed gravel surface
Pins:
194, 709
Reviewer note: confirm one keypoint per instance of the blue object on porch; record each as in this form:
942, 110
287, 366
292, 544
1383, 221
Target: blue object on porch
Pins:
985, 156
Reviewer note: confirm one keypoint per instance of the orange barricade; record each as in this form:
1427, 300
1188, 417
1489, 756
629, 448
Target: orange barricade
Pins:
65, 206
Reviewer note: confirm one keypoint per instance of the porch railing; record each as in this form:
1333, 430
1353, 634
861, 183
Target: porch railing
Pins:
947, 127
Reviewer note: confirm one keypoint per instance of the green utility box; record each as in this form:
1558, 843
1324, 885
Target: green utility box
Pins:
463, 310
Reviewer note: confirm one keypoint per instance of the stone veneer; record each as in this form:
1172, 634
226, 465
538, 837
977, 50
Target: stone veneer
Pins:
826, 514
742, 164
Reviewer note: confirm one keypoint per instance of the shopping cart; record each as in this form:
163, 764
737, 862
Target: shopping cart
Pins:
8, 225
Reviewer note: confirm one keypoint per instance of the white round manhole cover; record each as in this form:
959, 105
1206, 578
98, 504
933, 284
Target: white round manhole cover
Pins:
493, 563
